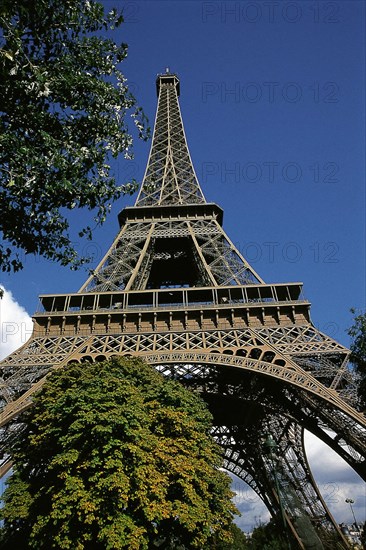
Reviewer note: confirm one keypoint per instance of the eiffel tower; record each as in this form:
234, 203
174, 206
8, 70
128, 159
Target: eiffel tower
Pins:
174, 290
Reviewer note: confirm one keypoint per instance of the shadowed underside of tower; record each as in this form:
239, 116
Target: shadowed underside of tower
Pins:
174, 290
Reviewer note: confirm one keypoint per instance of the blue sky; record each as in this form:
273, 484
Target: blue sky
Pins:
273, 102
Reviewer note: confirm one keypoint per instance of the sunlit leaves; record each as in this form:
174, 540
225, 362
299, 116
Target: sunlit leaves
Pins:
358, 351
116, 456
63, 116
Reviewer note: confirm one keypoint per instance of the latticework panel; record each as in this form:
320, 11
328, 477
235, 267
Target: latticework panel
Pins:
215, 339
27, 366
222, 259
299, 339
118, 264
127, 264
169, 176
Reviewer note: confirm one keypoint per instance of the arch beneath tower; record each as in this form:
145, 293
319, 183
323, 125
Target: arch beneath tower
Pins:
310, 412
316, 407
246, 410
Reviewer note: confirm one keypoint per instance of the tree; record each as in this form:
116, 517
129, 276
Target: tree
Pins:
113, 455
239, 541
62, 118
269, 537
358, 352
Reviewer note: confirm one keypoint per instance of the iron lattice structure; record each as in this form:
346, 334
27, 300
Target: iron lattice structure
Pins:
175, 290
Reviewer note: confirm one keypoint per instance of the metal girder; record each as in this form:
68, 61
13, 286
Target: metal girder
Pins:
220, 262
170, 177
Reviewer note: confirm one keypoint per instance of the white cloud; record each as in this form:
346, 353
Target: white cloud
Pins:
253, 511
15, 324
336, 481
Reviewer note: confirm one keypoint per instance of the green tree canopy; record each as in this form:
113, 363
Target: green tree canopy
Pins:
358, 352
113, 455
64, 103
238, 541
269, 536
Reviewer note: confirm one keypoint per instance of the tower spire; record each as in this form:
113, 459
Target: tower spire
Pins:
170, 177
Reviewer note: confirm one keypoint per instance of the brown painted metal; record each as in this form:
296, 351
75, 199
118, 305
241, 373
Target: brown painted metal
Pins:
175, 290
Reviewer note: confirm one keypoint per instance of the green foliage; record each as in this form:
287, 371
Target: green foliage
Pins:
358, 352
114, 455
270, 536
238, 541
273, 536
62, 118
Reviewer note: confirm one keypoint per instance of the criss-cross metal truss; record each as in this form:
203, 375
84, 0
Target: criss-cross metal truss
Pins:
174, 290
170, 177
